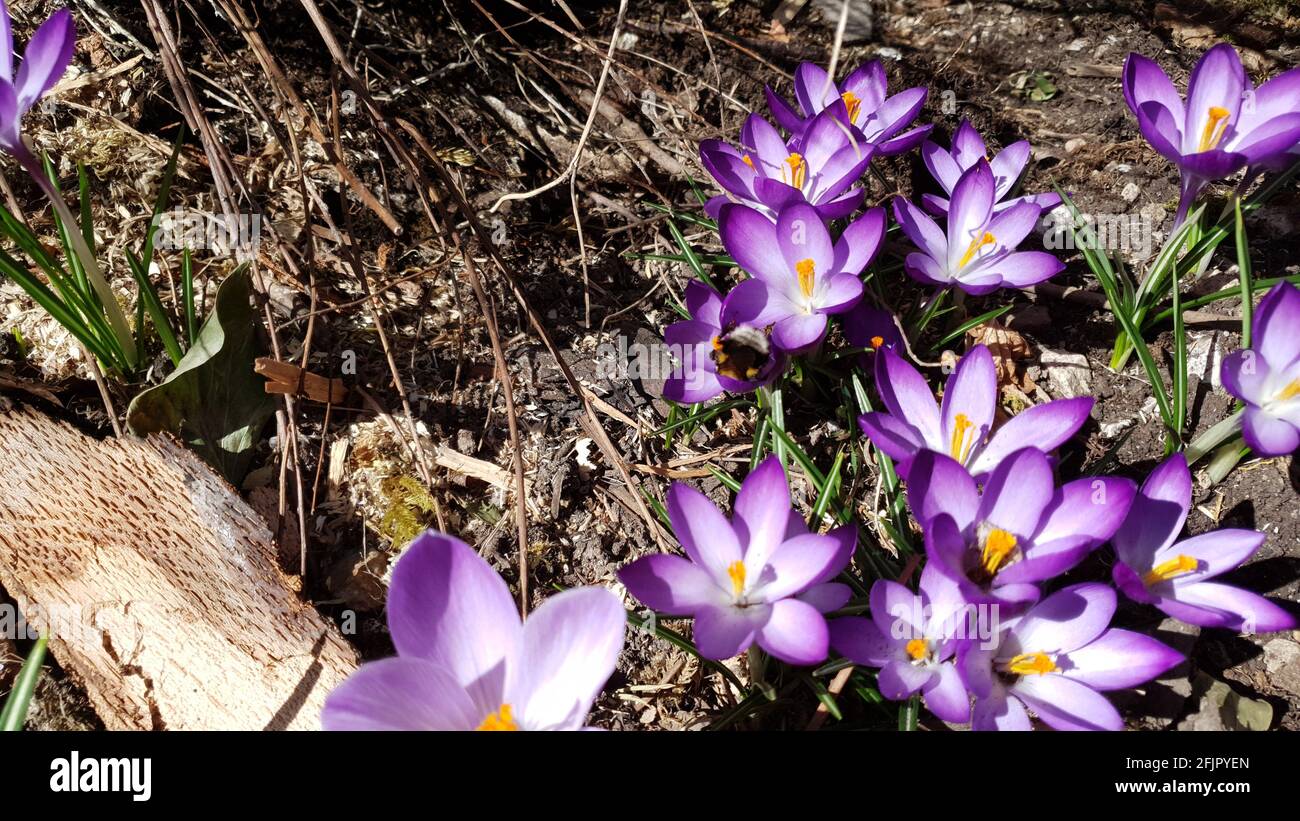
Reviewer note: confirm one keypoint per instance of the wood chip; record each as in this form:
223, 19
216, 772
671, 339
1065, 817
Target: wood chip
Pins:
159, 584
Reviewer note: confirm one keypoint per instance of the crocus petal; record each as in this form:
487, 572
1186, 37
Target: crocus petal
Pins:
797, 564
998, 712
671, 584
898, 680
703, 303
969, 211
756, 304
1162, 128
1232, 608
571, 644
1267, 435
841, 206
401, 694
1144, 81
891, 434
1066, 620
827, 597
1065, 704
46, 58
784, 115
1045, 427
813, 88
1246, 375
760, 513
751, 240
861, 241
795, 633
6, 44
1018, 492
1276, 318
1087, 507
941, 165
906, 394
894, 114
759, 136
971, 393
1158, 512
937, 485
1006, 167
727, 168
1046, 560
904, 142
699, 386
799, 333
860, 641
868, 83
946, 696
1024, 268
723, 632
1215, 552
801, 236
1119, 659
968, 147
924, 233
448, 606
704, 533
1012, 225
896, 611
838, 293
1217, 81
926, 270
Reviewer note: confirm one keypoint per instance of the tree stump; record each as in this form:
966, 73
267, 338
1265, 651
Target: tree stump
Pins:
157, 583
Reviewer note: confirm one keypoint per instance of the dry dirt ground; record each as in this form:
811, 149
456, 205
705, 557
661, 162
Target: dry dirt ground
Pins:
499, 95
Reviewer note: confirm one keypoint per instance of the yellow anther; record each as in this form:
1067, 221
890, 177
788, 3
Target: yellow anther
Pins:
853, 104
500, 720
876, 342
959, 448
998, 547
917, 649
975, 246
736, 570
1031, 664
807, 272
1165, 571
1289, 392
798, 169
747, 161
1214, 128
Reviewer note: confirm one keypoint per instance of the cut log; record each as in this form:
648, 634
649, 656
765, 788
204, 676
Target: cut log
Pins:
158, 584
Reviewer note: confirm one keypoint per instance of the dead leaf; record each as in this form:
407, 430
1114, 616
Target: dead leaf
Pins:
1008, 349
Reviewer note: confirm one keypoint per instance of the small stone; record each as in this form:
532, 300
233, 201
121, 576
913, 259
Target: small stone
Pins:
1130, 192
1071, 146
1077, 44
1222, 708
1068, 374
1282, 660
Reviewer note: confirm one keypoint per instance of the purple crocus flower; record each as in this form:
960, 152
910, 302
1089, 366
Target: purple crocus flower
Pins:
1021, 529
1056, 660
978, 252
963, 426
819, 167
1222, 128
861, 100
712, 358
968, 148
1154, 568
465, 662
800, 274
871, 328
46, 58
1266, 377
742, 577
913, 639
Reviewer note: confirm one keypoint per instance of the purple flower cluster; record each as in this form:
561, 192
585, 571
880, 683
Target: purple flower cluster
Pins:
782, 196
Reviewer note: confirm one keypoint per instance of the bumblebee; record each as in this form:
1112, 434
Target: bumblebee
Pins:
741, 352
